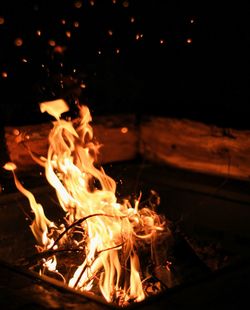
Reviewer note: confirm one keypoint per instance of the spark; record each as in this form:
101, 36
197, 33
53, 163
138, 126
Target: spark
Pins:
78, 4
4, 74
18, 42
124, 130
76, 24
125, 4
52, 43
68, 34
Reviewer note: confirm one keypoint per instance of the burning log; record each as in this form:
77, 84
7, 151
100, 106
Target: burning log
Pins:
110, 232
195, 146
118, 135
177, 142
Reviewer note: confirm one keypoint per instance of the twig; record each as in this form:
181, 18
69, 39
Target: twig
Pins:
79, 222
28, 262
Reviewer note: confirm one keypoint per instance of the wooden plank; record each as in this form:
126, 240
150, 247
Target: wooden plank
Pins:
117, 135
195, 146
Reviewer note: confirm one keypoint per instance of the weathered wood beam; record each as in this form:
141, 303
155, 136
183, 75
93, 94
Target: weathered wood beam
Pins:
181, 143
196, 146
117, 134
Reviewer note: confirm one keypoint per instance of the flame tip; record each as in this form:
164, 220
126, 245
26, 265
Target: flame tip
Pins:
10, 166
54, 108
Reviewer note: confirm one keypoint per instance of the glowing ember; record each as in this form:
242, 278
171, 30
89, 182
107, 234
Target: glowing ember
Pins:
100, 235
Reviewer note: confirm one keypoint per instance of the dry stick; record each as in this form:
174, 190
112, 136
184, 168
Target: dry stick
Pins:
45, 254
80, 221
50, 252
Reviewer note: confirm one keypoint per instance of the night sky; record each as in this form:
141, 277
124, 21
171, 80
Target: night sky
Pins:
170, 58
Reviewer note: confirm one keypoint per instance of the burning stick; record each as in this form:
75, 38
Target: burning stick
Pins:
105, 234
78, 222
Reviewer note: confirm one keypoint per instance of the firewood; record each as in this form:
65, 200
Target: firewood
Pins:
181, 143
196, 146
117, 135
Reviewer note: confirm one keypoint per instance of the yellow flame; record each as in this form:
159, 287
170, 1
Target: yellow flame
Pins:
41, 223
54, 108
110, 230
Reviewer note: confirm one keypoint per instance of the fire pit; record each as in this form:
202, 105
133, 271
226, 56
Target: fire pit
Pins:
143, 255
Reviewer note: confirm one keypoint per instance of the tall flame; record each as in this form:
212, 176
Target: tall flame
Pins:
108, 232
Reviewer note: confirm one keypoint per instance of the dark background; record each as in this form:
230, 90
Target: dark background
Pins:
200, 71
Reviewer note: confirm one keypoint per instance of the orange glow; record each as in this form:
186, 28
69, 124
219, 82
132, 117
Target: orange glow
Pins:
4, 74
63, 21
76, 24
38, 32
124, 130
92, 2
68, 34
18, 42
2, 20
110, 32
16, 132
52, 43
117, 51
189, 40
107, 233
78, 4
161, 41
82, 85
59, 49
132, 19
125, 4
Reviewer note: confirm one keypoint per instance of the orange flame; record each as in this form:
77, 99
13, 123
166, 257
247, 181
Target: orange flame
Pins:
109, 230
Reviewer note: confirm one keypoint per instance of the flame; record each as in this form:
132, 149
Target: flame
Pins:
106, 233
